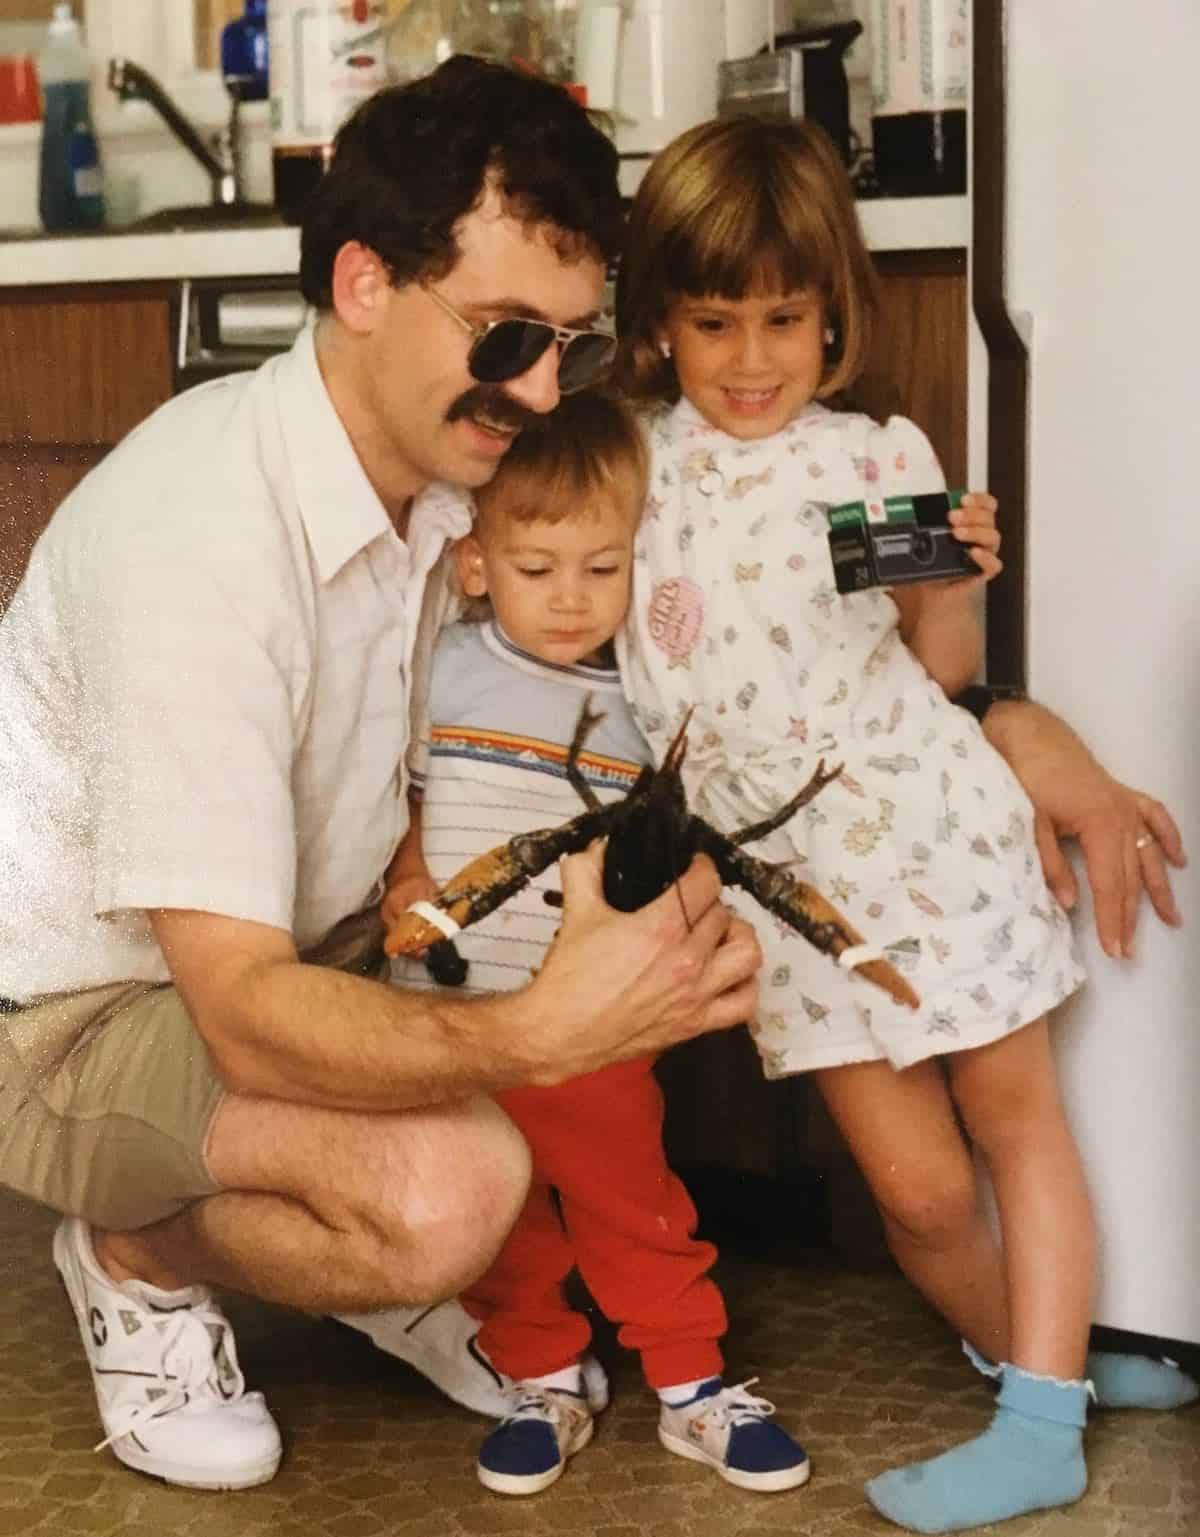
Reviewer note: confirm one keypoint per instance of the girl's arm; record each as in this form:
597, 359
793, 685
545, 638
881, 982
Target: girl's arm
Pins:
940, 621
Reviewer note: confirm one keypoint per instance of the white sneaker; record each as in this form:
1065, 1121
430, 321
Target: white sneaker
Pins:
172, 1399
439, 1341
733, 1432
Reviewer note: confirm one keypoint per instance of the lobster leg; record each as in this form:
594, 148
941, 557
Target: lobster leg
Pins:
583, 726
480, 887
801, 907
785, 813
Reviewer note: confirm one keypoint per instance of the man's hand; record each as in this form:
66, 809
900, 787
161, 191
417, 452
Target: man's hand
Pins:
1127, 838
621, 985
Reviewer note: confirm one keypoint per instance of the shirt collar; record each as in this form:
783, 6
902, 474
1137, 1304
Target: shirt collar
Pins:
338, 505
498, 643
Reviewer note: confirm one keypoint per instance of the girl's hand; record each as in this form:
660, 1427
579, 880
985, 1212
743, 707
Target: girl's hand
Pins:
974, 524
939, 620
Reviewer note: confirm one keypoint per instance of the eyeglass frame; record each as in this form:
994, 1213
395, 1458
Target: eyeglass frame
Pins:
562, 337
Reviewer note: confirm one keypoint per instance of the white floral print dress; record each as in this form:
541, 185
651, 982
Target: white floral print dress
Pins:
925, 842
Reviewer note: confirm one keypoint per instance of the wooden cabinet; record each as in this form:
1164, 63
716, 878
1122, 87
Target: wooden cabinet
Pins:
79, 367
919, 362
763, 1159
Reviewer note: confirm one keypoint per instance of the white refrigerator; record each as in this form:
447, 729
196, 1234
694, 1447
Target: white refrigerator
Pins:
1101, 254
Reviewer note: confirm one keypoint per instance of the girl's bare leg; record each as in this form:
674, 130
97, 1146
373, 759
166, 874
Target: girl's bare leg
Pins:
1009, 1098
902, 1131
1031, 1455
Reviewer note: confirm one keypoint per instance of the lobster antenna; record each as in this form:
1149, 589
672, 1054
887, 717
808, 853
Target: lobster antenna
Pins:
672, 764
677, 751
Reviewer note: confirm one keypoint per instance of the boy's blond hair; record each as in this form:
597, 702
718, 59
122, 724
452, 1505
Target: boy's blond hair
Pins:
740, 206
589, 447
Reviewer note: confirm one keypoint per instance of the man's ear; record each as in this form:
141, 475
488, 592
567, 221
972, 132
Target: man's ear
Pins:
468, 560
360, 288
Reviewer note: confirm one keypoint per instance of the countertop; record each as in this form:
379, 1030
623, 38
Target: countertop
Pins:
892, 224
118, 257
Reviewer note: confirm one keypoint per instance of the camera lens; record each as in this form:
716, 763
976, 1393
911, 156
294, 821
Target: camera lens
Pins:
923, 548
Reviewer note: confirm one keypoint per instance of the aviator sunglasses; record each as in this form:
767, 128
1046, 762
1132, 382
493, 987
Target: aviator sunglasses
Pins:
505, 349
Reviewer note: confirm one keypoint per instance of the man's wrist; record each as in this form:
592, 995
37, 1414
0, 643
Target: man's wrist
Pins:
978, 698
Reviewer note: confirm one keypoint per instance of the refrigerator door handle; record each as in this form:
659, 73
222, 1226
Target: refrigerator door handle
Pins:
1007, 349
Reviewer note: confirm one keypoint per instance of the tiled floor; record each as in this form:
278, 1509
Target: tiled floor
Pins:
852, 1359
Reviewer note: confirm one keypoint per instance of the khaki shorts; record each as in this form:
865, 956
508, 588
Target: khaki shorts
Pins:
108, 1096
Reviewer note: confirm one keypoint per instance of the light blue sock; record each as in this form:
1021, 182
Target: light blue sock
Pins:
1139, 1382
1121, 1381
1029, 1458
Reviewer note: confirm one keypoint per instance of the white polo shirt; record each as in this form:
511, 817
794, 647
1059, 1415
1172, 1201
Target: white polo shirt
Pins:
204, 684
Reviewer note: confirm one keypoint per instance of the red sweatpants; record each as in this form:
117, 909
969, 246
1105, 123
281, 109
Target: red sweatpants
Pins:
627, 1224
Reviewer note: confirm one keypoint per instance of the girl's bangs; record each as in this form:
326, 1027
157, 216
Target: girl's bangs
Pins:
750, 251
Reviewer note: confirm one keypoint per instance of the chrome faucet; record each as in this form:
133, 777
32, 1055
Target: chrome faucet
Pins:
222, 160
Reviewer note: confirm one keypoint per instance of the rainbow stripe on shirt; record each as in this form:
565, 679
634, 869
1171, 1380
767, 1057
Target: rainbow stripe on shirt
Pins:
531, 754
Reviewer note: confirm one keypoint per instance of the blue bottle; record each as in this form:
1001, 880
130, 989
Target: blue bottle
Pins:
70, 185
244, 53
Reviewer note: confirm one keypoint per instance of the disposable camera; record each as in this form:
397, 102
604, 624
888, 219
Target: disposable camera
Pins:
896, 540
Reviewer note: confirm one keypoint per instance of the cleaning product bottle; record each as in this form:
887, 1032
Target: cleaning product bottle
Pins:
244, 53
69, 186
326, 56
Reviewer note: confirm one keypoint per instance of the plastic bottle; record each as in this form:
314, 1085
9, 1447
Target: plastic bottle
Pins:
326, 56
244, 53
70, 194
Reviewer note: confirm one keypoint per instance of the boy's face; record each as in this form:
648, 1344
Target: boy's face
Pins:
559, 590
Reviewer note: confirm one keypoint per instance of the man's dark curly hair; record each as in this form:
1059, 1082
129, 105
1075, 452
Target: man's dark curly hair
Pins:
412, 160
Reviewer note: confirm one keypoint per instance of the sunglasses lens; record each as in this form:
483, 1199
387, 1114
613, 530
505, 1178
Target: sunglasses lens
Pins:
508, 349
513, 346
583, 359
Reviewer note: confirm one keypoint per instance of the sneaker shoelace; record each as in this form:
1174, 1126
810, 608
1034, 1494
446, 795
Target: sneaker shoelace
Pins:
534, 1403
734, 1406
197, 1359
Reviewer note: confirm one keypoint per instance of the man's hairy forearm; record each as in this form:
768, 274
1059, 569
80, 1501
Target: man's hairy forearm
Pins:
325, 1037
1022, 728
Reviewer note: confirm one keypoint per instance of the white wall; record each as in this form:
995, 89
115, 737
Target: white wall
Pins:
1103, 227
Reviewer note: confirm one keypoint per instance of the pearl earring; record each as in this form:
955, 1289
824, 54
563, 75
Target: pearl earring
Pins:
829, 336
665, 349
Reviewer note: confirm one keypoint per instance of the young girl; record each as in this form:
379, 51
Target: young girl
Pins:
745, 303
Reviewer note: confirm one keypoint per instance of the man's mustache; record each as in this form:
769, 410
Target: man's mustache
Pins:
494, 406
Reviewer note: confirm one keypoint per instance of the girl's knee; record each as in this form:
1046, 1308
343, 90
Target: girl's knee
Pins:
932, 1213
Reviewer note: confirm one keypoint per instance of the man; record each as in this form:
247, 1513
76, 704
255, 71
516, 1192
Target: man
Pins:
203, 716
204, 688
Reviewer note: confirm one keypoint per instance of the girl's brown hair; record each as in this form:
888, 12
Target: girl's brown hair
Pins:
588, 447
737, 206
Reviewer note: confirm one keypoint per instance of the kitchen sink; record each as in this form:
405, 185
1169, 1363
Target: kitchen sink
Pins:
191, 218
204, 216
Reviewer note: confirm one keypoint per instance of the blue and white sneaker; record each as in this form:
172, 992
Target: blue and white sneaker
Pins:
528, 1450
734, 1433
